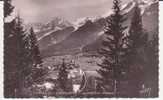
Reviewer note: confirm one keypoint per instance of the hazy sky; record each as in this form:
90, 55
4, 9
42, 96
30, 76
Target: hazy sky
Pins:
44, 10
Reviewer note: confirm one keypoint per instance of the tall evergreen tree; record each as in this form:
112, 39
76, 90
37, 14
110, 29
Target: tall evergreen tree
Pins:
27, 71
151, 70
37, 68
10, 63
63, 76
21, 54
137, 35
112, 49
14, 62
35, 52
8, 8
137, 39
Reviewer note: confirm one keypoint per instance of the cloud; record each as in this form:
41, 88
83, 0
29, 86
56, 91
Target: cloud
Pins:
43, 10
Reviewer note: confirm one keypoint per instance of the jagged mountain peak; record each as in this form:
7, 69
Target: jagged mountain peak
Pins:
145, 3
82, 21
58, 21
126, 8
89, 30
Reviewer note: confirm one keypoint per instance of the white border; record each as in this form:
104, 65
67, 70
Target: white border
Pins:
1, 49
160, 55
160, 48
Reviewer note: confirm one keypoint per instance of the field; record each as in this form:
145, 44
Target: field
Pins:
85, 63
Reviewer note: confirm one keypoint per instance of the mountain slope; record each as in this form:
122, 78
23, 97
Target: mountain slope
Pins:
88, 36
79, 38
54, 37
149, 18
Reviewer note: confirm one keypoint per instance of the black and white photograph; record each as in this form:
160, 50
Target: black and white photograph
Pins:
81, 49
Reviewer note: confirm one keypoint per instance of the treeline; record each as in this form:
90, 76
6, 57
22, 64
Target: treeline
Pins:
130, 59
22, 60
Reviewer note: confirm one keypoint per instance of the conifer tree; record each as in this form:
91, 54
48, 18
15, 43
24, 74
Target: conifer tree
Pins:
35, 52
8, 8
27, 59
63, 76
24, 53
112, 49
37, 68
137, 35
137, 39
14, 58
18, 56
21, 55
9, 66
10, 61
151, 70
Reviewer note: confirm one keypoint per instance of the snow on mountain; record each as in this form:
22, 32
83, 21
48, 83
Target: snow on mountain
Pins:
107, 14
127, 8
48, 33
81, 21
53, 37
149, 18
44, 29
59, 22
89, 30
148, 2
100, 33
144, 4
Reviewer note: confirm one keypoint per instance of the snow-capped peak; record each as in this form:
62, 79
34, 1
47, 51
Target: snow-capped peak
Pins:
128, 7
107, 14
48, 33
143, 4
125, 8
60, 22
81, 21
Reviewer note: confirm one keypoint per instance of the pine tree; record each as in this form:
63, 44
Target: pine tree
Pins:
18, 55
21, 54
35, 52
37, 68
8, 8
63, 76
25, 60
137, 35
10, 64
151, 70
112, 49
14, 58
137, 39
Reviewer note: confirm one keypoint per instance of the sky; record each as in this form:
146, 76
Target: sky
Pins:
71, 10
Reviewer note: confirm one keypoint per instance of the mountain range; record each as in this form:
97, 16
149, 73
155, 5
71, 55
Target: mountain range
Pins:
59, 36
